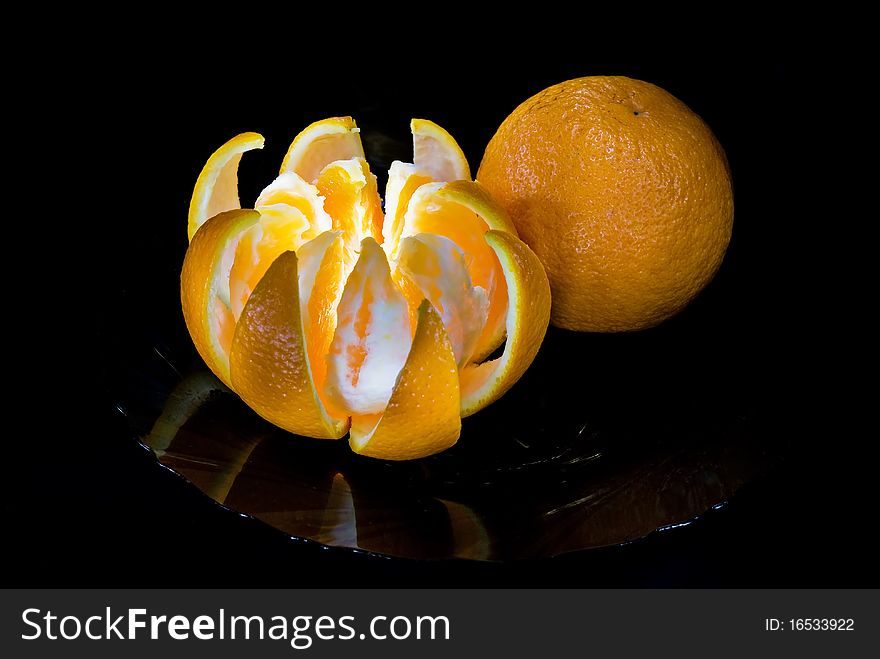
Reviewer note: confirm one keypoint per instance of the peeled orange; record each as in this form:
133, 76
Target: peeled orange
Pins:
330, 313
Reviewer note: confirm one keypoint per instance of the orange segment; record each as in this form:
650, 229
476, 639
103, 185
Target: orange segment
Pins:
436, 153
216, 189
270, 363
422, 417
321, 281
323, 142
351, 199
204, 287
436, 157
289, 198
291, 214
403, 180
411, 293
372, 336
436, 265
527, 318
275, 234
462, 211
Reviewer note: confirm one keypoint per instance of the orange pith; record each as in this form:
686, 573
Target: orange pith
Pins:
324, 313
372, 336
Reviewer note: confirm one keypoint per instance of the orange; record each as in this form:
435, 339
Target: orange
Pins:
622, 192
328, 316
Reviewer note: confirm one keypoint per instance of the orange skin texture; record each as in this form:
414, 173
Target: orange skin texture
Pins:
270, 333
623, 193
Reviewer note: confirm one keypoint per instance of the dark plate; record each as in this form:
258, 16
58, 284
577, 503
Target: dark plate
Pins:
541, 473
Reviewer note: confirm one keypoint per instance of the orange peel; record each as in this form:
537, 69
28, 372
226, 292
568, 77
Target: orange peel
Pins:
216, 189
270, 333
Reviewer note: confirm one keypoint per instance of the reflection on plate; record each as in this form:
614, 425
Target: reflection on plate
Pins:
606, 439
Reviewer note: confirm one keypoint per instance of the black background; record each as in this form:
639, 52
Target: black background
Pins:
94, 509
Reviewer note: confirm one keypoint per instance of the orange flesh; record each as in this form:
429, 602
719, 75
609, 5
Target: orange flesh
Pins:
332, 279
256, 251
351, 201
372, 336
466, 229
437, 266
353, 207
321, 309
224, 324
412, 184
327, 149
412, 293
340, 201
289, 199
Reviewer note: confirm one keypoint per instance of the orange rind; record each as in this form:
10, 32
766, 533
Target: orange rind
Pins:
216, 189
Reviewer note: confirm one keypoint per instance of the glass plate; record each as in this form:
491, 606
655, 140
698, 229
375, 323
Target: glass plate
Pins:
604, 440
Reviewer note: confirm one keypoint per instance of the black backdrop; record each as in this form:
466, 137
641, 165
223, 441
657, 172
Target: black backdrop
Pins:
96, 510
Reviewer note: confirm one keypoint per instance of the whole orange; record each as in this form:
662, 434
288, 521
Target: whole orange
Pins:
622, 191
